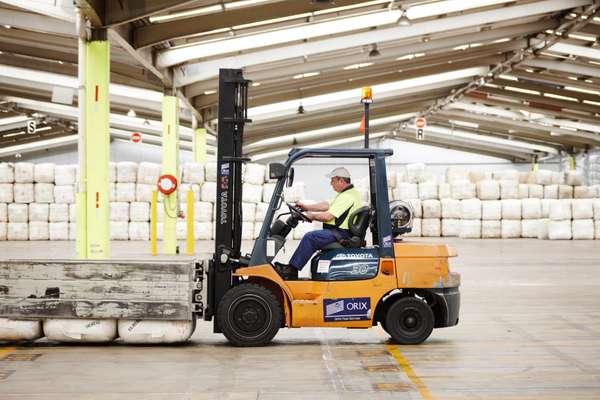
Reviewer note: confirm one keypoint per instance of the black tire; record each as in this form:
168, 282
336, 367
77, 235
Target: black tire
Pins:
409, 321
249, 315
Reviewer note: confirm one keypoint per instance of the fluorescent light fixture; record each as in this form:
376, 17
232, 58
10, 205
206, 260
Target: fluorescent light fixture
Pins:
14, 134
508, 77
577, 89
7, 26
552, 133
255, 84
594, 103
520, 90
185, 14
582, 37
210, 92
556, 96
243, 3
502, 40
306, 75
410, 56
43, 129
358, 66
448, 6
464, 123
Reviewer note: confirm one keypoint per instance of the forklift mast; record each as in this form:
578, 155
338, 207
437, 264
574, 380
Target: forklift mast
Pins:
233, 114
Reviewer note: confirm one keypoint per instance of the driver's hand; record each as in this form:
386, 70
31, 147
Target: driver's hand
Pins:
301, 206
310, 215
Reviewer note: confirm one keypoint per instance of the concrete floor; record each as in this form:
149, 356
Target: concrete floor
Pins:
529, 329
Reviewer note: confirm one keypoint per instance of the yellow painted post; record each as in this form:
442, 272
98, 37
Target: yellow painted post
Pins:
190, 222
153, 249
571, 163
200, 146
170, 156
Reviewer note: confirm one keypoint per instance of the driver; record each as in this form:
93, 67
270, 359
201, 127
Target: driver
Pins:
334, 215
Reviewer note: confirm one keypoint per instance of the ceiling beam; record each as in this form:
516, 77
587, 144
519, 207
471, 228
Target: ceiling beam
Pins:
563, 66
119, 12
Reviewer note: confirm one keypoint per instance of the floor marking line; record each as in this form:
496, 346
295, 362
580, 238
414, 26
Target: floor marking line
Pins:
4, 351
410, 373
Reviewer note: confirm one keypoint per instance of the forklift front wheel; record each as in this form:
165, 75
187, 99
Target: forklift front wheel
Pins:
409, 321
249, 315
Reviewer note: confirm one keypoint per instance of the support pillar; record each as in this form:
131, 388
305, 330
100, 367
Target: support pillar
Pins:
170, 158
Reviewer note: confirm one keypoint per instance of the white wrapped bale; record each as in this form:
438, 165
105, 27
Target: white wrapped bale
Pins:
582, 209
511, 228
126, 172
44, 193
3, 230
23, 193
450, 227
523, 190
154, 332
65, 174
507, 175
596, 205
112, 172
509, 189
527, 177
203, 230
291, 194
13, 330
261, 212
257, 228
210, 172
560, 210
208, 192
546, 204
478, 176
583, 229
247, 230
72, 230
6, 193
530, 228
455, 173
597, 229
18, 212
112, 191
543, 177
444, 191
143, 192
38, 231
203, 211
248, 212
119, 230
543, 225
254, 174
536, 192
38, 212
565, 192
58, 231
3, 212
253, 193
391, 179
431, 227
139, 212
193, 173
64, 194
302, 229
559, 230
139, 231
406, 191
184, 188
531, 208
574, 178
584, 192
125, 192
267, 193
416, 229
450, 208
551, 192
470, 209
470, 229
557, 178
24, 172
401, 176
488, 190
7, 173
80, 330
119, 211
148, 173
416, 207
511, 209
428, 191
57, 212
181, 230
72, 212
491, 229
431, 209
463, 190
43, 173
17, 231
415, 173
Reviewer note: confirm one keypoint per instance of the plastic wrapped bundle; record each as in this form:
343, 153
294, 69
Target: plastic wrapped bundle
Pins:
72, 230
81, 330
148, 173
182, 191
428, 191
583, 229
7, 173
119, 211
574, 178
126, 172
551, 192
23, 193
431, 227
64, 194
463, 190
254, 174
407, 191
43, 173
291, 194
119, 230
560, 210
58, 231
261, 211
416, 206
488, 190
543, 225
431, 209
415, 173
257, 228
3, 212
125, 192
559, 230
557, 178
3, 230
112, 172
507, 175
530, 228
546, 203
444, 191
302, 229
597, 229
24, 172
455, 173
203, 230
112, 191
208, 192
401, 176
450, 227
38, 231
531, 208
511, 228
253, 193
584, 192
154, 332
596, 205
267, 193
248, 212
181, 230
18, 212
139, 231
582, 209
450, 208
247, 230
509, 190
143, 192
478, 176
416, 229
38, 212
65, 174
72, 212
511, 209
470, 229
139, 212
536, 192
203, 211
193, 173
491, 229
470, 209
523, 191
6, 193
44, 193
565, 192
543, 177
210, 172
17, 231
16, 330
391, 179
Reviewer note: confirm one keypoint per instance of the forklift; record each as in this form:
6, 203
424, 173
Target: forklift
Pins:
405, 287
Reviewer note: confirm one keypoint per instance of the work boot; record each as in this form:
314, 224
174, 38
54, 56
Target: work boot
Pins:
287, 272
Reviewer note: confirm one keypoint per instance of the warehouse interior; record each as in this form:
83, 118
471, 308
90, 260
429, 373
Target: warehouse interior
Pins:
490, 107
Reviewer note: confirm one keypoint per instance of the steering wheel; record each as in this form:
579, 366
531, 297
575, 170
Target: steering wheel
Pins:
296, 212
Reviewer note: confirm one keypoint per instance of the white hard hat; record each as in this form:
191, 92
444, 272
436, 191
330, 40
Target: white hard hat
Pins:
339, 172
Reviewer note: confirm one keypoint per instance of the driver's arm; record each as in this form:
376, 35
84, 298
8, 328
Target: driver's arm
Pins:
321, 206
320, 216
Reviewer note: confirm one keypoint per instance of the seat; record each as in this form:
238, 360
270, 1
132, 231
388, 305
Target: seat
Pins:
357, 225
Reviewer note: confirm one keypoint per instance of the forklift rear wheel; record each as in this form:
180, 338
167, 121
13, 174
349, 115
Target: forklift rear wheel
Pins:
409, 321
249, 315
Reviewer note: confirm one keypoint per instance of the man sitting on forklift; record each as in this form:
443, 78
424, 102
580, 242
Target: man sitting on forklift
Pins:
334, 215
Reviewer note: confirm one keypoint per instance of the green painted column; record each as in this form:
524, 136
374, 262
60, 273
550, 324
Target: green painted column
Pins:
92, 198
170, 158
200, 145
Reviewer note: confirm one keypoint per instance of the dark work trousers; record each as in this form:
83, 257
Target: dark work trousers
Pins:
311, 242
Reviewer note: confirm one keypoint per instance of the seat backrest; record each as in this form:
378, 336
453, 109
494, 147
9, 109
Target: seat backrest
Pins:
359, 222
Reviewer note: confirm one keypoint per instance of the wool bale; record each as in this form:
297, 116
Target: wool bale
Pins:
203, 230
44, 192
415, 173
139, 212
596, 205
24, 172
416, 228
543, 225
560, 210
23, 193
3, 230
507, 175
582, 209
456, 173
58, 213
38, 212
463, 190
80, 330
261, 211
401, 176
583, 192
18, 212
431, 209
184, 188
125, 192
416, 207
523, 191
551, 192
65, 174
38, 230
72, 212
511, 228
565, 192
248, 212
6, 193
431, 227
450, 208
58, 231
7, 173
139, 231
254, 174
574, 178
181, 230
478, 176
444, 191
536, 191
470, 229
112, 172
143, 192
470, 209
291, 194
43, 173
3, 212
210, 172
112, 191
428, 190
511, 209
488, 190
126, 172
203, 211
119, 230
543, 177
148, 173
391, 178
558, 178
531, 208
193, 173
491, 210
597, 229
267, 193
72, 230
247, 230
530, 228
583, 229
491, 229
450, 227
64, 194
17, 231
119, 211
509, 189
253, 193
560, 230
546, 204
407, 191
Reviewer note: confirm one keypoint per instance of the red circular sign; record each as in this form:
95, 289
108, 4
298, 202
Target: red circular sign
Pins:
420, 122
136, 137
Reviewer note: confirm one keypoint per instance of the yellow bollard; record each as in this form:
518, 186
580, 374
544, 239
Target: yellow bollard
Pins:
571, 163
190, 223
153, 250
